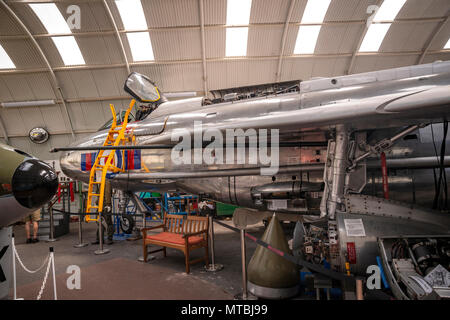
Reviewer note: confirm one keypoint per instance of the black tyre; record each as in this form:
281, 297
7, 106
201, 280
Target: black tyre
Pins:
127, 223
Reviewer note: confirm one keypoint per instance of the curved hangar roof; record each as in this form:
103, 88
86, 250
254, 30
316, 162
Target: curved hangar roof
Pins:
70, 58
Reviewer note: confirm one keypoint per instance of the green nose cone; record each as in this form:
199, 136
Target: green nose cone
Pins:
267, 269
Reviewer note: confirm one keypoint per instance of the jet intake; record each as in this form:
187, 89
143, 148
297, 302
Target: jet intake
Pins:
34, 183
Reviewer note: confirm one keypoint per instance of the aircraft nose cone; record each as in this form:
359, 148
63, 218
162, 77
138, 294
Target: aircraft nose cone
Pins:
34, 183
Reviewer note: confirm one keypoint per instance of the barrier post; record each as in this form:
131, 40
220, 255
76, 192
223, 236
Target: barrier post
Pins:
52, 261
80, 228
101, 250
213, 266
52, 227
14, 266
244, 266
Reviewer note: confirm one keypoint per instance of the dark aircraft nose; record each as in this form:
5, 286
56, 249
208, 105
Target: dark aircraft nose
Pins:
34, 183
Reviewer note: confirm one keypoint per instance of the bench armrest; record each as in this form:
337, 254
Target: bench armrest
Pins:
187, 235
144, 230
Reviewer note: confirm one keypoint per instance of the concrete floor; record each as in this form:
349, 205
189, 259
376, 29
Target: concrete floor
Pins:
118, 274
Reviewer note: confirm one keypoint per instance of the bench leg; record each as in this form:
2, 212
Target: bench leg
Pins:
145, 254
164, 251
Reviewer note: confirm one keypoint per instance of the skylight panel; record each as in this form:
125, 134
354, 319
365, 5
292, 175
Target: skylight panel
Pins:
69, 50
447, 46
389, 10
374, 37
51, 18
5, 60
236, 45
132, 14
315, 11
306, 39
238, 12
141, 46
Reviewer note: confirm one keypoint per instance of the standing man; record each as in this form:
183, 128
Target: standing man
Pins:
32, 219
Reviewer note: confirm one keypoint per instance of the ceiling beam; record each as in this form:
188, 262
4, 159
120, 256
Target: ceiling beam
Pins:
119, 37
203, 47
283, 40
435, 32
56, 87
220, 26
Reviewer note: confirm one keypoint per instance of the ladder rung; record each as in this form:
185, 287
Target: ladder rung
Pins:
94, 194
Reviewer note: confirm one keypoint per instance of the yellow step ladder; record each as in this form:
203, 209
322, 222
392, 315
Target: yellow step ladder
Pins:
116, 136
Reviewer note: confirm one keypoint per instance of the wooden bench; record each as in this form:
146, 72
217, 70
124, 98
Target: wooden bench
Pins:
182, 233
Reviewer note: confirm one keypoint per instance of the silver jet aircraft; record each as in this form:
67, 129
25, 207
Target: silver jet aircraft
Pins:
310, 153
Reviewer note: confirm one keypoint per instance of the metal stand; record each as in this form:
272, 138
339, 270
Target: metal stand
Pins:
80, 235
80, 228
52, 257
52, 231
101, 250
213, 267
244, 266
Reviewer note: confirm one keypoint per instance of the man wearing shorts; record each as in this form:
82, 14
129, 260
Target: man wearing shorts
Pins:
32, 218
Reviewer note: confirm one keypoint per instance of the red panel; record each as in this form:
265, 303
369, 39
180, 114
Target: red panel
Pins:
351, 252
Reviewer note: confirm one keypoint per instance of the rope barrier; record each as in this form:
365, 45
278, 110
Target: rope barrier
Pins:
25, 268
45, 280
49, 260
94, 214
296, 260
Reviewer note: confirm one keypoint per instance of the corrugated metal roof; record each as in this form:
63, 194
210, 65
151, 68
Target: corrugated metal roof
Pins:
163, 13
269, 11
407, 36
176, 40
264, 41
183, 44
22, 53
